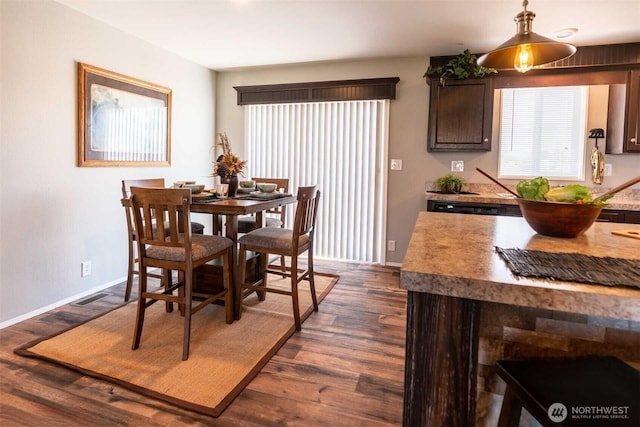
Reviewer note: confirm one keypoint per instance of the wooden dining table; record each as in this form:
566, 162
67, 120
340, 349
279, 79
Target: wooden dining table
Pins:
231, 208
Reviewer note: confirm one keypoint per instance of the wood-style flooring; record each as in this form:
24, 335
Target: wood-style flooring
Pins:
345, 368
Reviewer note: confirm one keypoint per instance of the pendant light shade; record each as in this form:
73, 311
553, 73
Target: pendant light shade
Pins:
526, 49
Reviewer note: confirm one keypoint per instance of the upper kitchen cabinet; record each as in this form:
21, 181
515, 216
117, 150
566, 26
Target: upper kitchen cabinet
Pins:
460, 115
623, 124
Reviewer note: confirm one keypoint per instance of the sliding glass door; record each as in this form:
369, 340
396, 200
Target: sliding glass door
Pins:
341, 147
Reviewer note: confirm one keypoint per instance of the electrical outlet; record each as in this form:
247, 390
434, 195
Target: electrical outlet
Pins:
391, 245
457, 166
396, 164
608, 169
85, 269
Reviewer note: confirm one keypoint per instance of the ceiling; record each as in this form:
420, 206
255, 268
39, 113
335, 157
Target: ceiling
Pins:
238, 34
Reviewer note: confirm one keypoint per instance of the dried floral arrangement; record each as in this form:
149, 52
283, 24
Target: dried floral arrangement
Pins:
227, 164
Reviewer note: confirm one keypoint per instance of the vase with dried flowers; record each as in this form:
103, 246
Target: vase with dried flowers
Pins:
227, 166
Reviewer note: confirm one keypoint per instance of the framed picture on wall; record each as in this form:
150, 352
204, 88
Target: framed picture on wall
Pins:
122, 121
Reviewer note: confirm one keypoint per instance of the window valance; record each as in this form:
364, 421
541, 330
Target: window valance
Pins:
340, 90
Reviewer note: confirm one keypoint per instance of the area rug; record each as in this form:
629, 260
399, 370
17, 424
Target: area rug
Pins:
223, 358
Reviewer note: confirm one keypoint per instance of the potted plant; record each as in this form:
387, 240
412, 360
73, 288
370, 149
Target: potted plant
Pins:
462, 66
450, 184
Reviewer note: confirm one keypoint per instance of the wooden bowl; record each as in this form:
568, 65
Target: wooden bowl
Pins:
558, 219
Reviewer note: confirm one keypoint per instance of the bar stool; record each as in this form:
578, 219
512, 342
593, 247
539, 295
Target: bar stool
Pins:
594, 391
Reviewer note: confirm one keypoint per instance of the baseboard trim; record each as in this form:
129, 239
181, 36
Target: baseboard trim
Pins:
60, 303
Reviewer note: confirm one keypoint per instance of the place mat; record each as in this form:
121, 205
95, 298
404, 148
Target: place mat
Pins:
573, 267
204, 196
262, 196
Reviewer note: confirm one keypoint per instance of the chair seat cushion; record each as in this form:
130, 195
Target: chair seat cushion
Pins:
202, 246
248, 223
272, 238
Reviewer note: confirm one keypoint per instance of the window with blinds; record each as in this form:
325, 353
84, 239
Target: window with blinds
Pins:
542, 132
341, 147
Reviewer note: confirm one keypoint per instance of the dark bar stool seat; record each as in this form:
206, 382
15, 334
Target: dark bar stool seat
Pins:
589, 391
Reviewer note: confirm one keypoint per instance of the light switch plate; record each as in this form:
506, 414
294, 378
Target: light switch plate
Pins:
391, 245
607, 169
396, 164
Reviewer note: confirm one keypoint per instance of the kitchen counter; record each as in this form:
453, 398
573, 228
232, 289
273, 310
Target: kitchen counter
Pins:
454, 255
453, 273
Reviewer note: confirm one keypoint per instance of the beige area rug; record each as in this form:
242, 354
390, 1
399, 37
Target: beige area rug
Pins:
223, 358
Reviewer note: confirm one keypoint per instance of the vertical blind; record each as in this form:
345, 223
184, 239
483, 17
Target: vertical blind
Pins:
542, 132
341, 147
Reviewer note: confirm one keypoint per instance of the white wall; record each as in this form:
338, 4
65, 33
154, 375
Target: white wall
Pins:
55, 215
408, 134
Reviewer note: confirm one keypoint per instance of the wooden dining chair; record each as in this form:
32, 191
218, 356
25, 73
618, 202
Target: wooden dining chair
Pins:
274, 217
153, 210
133, 269
283, 242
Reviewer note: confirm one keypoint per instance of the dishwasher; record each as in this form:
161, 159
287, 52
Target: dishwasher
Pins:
463, 207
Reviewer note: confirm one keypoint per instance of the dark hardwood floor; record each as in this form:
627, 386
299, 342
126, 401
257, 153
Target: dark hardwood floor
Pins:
345, 368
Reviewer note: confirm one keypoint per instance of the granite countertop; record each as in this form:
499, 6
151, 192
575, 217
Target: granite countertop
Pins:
489, 193
455, 255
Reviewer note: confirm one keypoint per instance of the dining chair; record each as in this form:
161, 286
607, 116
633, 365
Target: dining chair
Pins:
284, 242
274, 217
131, 229
157, 209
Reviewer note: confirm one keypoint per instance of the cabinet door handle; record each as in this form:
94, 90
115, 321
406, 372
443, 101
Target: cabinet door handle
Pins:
486, 140
634, 141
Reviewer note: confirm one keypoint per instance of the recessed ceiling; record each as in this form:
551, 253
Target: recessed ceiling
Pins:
233, 34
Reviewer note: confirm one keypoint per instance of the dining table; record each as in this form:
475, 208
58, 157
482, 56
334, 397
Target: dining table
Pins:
231, 208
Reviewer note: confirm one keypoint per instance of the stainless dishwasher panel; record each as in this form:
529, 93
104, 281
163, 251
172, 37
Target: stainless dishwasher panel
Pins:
463, 207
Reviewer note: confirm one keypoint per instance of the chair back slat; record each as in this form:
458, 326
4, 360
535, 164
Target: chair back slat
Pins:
306, 210
161, 215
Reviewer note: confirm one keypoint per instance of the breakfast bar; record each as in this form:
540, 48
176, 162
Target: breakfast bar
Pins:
466, 309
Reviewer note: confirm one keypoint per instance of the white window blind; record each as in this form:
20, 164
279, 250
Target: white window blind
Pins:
341, 147
542, 132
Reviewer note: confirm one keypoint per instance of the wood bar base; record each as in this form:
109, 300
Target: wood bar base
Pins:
440, 361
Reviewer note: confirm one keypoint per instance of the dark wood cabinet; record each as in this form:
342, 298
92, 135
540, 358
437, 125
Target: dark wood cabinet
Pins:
460, 115
632, 217
632, 127
623, 116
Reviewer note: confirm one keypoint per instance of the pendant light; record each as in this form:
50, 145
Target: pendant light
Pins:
526, 49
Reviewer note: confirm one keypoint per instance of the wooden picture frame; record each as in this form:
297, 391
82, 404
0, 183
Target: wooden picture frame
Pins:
122, 121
